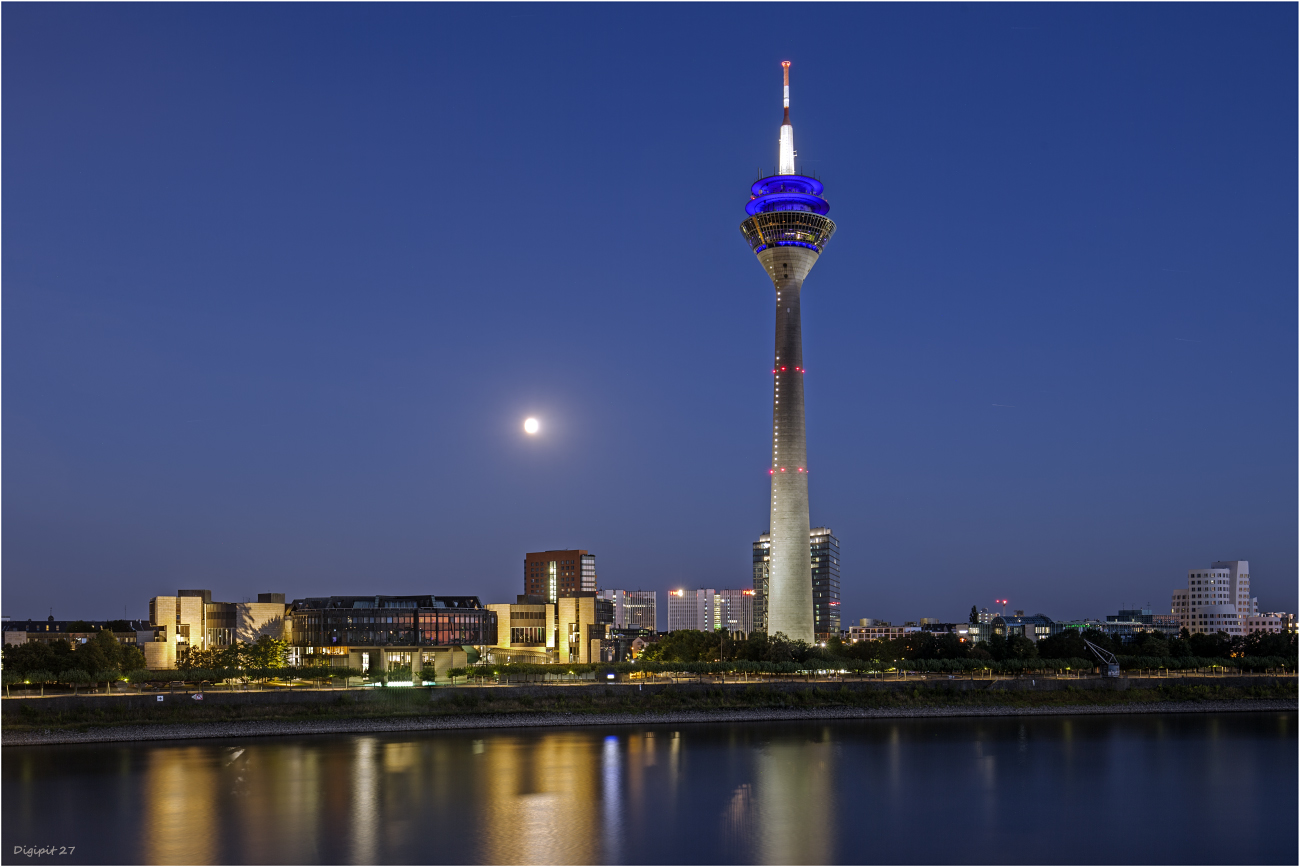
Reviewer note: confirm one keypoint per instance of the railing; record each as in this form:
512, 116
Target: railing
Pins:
787, 229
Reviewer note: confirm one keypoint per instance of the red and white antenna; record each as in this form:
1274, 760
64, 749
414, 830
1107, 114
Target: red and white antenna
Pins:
787, 131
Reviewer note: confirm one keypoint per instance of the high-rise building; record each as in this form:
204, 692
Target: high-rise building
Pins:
551, 574
824, 551
1217, 599
787, 229
633, 609
824, 580
709, 610
762, 573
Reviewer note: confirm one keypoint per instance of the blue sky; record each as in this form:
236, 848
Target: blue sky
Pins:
281, 283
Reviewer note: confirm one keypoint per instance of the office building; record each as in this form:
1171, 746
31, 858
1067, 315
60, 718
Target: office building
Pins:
633, 609
709, 610
869, 629
406, 636
191, 620
1035, 627
551, 574
1141, 620
75, 631
585, 621
824, 580
1216, 599
824, 553
1269, 623
787, 229
526, 631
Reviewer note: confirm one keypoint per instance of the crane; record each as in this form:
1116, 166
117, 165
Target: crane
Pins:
1109, 664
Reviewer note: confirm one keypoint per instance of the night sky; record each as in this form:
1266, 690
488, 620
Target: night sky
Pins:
282, 282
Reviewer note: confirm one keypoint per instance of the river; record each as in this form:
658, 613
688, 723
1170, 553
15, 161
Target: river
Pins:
1154, 789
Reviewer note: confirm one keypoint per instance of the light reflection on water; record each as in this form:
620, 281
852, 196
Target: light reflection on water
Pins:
991, 790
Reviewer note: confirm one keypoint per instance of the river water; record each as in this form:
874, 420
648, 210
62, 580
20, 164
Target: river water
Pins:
1176, 788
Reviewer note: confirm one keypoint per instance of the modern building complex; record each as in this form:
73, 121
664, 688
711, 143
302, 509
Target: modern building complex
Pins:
577, 627
1217, 599
191, 620
633, 609
525, 630
708, 610
824, 575
787, 229
403, 635
551, 574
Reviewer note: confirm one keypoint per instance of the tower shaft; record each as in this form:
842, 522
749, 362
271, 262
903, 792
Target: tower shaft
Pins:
789, 599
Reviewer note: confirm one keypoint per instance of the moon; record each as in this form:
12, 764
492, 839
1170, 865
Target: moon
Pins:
531, 426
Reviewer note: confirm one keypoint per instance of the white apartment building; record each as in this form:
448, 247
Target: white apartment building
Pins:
633, 609
1217, 599
708, 610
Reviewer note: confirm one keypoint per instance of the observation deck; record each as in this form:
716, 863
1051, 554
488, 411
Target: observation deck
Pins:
787, 211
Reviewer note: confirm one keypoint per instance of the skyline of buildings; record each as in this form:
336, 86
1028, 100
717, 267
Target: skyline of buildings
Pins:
410, 634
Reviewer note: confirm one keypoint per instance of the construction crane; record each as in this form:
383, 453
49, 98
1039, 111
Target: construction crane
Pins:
1109, 664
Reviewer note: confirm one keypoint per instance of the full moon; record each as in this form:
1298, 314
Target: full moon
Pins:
531, 426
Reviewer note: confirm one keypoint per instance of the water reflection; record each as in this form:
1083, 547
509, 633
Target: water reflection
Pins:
180, 791
901, 791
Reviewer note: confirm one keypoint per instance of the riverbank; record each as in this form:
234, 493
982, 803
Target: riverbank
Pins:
181, 715
281, 728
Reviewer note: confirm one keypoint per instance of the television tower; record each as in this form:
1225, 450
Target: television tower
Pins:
787, 229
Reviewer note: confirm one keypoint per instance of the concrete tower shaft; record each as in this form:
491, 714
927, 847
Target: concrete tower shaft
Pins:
789, 600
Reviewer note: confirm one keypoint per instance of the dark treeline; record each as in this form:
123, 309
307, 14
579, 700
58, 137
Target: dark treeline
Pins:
691, 646
102, 653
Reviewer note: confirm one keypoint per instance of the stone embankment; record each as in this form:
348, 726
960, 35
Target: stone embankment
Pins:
132, 699
280, 728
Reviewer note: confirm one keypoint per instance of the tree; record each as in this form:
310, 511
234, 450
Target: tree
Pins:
1019, 647
32, 656
996, 646
1217, 645
974, 614
1147, 644
132, 657
267, 652
41, 678
77, 677
101, 653
1067, 644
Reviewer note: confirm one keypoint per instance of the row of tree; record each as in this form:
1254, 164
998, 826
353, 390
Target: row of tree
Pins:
102, 653
694, 646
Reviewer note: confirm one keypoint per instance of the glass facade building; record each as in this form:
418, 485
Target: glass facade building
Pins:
402, 621
825, 550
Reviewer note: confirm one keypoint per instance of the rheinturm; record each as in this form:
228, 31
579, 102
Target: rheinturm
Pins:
787, 229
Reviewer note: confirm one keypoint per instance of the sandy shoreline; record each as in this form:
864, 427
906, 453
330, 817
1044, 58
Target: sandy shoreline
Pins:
281, 728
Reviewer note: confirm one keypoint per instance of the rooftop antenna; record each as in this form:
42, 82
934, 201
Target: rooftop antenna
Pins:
787, 131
